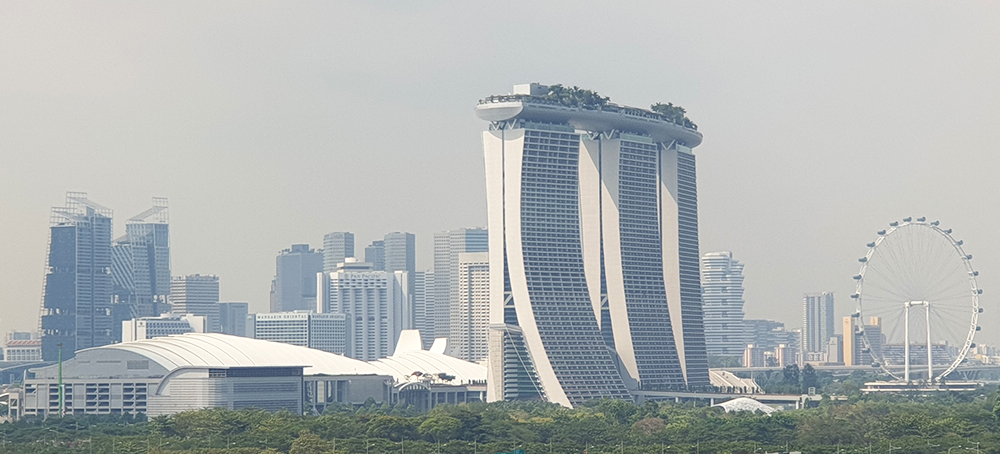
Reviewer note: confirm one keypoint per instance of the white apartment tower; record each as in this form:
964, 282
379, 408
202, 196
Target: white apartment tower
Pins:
817, 321
376, 305
722, 296
197, 294
470, 313
593, 243
163, 325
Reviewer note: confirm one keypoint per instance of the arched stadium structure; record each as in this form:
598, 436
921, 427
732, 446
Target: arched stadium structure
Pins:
166, 375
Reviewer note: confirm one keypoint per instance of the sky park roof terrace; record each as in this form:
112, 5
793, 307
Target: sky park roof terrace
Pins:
529, 102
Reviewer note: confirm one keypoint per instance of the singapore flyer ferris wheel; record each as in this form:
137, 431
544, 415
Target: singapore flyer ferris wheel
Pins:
917, 301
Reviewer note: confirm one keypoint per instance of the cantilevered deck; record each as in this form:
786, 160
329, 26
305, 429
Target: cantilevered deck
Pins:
608, 117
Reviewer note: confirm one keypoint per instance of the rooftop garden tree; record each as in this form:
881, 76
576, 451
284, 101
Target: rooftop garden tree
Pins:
673, 113
576, 97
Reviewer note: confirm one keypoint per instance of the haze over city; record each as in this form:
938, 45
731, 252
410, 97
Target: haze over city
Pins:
276, 123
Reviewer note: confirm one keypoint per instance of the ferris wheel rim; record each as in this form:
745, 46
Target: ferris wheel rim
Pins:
975, 291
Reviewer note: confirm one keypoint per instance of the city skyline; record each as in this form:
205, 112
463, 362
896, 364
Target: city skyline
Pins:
794, 99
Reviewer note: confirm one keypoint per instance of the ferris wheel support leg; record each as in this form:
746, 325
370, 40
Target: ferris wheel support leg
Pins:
930, 362
906, 342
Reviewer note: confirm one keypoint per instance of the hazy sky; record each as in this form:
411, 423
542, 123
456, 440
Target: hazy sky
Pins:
272, 123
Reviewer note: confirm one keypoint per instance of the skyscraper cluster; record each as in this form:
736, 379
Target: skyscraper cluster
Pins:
385, 294
97, 285
93, 282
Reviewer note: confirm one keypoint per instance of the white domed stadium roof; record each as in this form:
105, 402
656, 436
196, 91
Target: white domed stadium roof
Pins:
222, 350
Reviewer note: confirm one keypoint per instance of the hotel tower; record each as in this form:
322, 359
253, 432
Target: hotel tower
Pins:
593, 241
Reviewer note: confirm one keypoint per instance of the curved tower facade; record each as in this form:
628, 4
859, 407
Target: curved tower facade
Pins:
722, 295
595, 289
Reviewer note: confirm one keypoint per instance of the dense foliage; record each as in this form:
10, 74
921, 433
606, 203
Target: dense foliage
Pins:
575, 97
673, 113
603, 427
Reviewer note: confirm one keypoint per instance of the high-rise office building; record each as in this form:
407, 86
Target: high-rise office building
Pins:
722, 293
593, 242
401, 255
336, 247
375, 255
327, 332
817, 321
448, 245
233, 318
76, 305
376, 303
400, 252
141, 266
855, 352
196, 294
295, 278
423, 306
470, 315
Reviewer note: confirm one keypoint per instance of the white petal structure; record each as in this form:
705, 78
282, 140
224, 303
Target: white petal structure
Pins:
745, 404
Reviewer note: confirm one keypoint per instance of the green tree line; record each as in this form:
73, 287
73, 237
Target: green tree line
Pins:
912, 424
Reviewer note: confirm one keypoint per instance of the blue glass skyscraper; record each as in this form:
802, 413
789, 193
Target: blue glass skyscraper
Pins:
76, 306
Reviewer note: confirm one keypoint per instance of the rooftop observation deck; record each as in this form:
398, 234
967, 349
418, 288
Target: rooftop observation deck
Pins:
598, 118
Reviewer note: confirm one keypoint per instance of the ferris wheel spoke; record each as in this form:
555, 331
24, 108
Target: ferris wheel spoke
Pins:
873, 283
899, 276
889, 263
950, 335
895, 326
955, 300
950, 279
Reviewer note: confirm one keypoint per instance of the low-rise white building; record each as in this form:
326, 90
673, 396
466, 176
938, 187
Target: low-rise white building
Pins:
23, 346
327, 332
163, 325
166, 375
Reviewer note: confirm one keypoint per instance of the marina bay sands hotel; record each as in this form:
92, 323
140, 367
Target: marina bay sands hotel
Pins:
593, 221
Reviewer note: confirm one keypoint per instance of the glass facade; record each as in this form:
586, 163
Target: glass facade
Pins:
642, 265
76, 306
336, 247
696, 361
